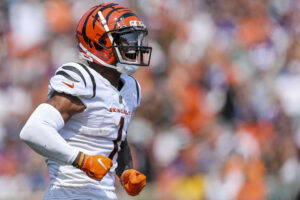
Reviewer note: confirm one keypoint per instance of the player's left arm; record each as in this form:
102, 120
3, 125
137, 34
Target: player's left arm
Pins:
132, 180
124, 159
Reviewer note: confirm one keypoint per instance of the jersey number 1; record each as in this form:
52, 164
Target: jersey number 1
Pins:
119, 138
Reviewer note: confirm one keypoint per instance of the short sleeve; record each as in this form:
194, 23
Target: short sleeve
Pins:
74, 79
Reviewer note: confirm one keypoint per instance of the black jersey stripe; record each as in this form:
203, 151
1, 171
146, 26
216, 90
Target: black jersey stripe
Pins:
92, 78
75, 70
120, 131
119, 138
102, 9
115, 149
65, 74
125, 15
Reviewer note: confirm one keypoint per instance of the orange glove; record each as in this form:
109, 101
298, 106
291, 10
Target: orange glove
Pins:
133, 181
94, 166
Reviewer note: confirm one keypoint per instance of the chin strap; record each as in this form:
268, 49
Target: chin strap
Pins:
85, 57
126, 69
91, 57
122, 68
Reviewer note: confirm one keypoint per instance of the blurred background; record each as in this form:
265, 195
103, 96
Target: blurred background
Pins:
220, 115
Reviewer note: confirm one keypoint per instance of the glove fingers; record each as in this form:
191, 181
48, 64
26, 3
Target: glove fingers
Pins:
133, 181
130, 191
107, 162
137, 178
96, 166
125, 177
92, 175
136, 183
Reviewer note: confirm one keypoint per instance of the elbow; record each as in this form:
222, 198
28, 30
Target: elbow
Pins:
25, 134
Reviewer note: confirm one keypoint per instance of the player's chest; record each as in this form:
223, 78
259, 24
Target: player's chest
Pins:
108, 112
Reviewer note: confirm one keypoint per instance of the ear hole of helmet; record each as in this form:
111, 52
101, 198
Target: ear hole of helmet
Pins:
102, 41
98, 47
101, 44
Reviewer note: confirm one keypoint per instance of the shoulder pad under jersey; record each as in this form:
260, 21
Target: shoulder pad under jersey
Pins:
134, 87
74, 79
138, 92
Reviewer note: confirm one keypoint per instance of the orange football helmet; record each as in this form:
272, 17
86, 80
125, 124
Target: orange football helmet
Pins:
112, 35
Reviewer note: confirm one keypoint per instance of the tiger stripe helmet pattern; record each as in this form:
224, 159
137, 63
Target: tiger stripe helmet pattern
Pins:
101, 33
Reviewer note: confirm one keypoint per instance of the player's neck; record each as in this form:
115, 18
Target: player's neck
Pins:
112, 75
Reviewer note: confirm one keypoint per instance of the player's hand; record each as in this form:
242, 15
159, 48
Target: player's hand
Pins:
94, 166
133, 181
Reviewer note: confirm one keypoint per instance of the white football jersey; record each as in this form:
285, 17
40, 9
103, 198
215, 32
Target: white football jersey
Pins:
99, 129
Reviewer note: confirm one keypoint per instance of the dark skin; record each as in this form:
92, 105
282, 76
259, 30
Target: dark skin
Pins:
124, 159
69, 105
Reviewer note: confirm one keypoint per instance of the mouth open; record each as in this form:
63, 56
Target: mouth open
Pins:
131, 54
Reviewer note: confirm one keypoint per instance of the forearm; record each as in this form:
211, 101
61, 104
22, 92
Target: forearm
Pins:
41, 133
124, 159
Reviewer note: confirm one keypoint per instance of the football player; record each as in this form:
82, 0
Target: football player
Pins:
81, 128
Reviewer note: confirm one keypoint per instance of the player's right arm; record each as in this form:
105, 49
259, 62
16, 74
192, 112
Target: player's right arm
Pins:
41, 131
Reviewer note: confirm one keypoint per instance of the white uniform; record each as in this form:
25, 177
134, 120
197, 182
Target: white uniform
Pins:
98, 130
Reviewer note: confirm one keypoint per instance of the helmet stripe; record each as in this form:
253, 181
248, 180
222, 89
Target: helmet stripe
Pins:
124, 16
108, 6
86, 39
115, 9
111, 5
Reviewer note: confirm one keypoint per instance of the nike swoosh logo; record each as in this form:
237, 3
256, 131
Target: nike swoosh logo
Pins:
70, 85
101, 163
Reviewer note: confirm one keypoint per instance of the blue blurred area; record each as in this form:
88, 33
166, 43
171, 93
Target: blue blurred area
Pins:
219, 119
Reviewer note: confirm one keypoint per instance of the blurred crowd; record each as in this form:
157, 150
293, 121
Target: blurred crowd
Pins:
220, 114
